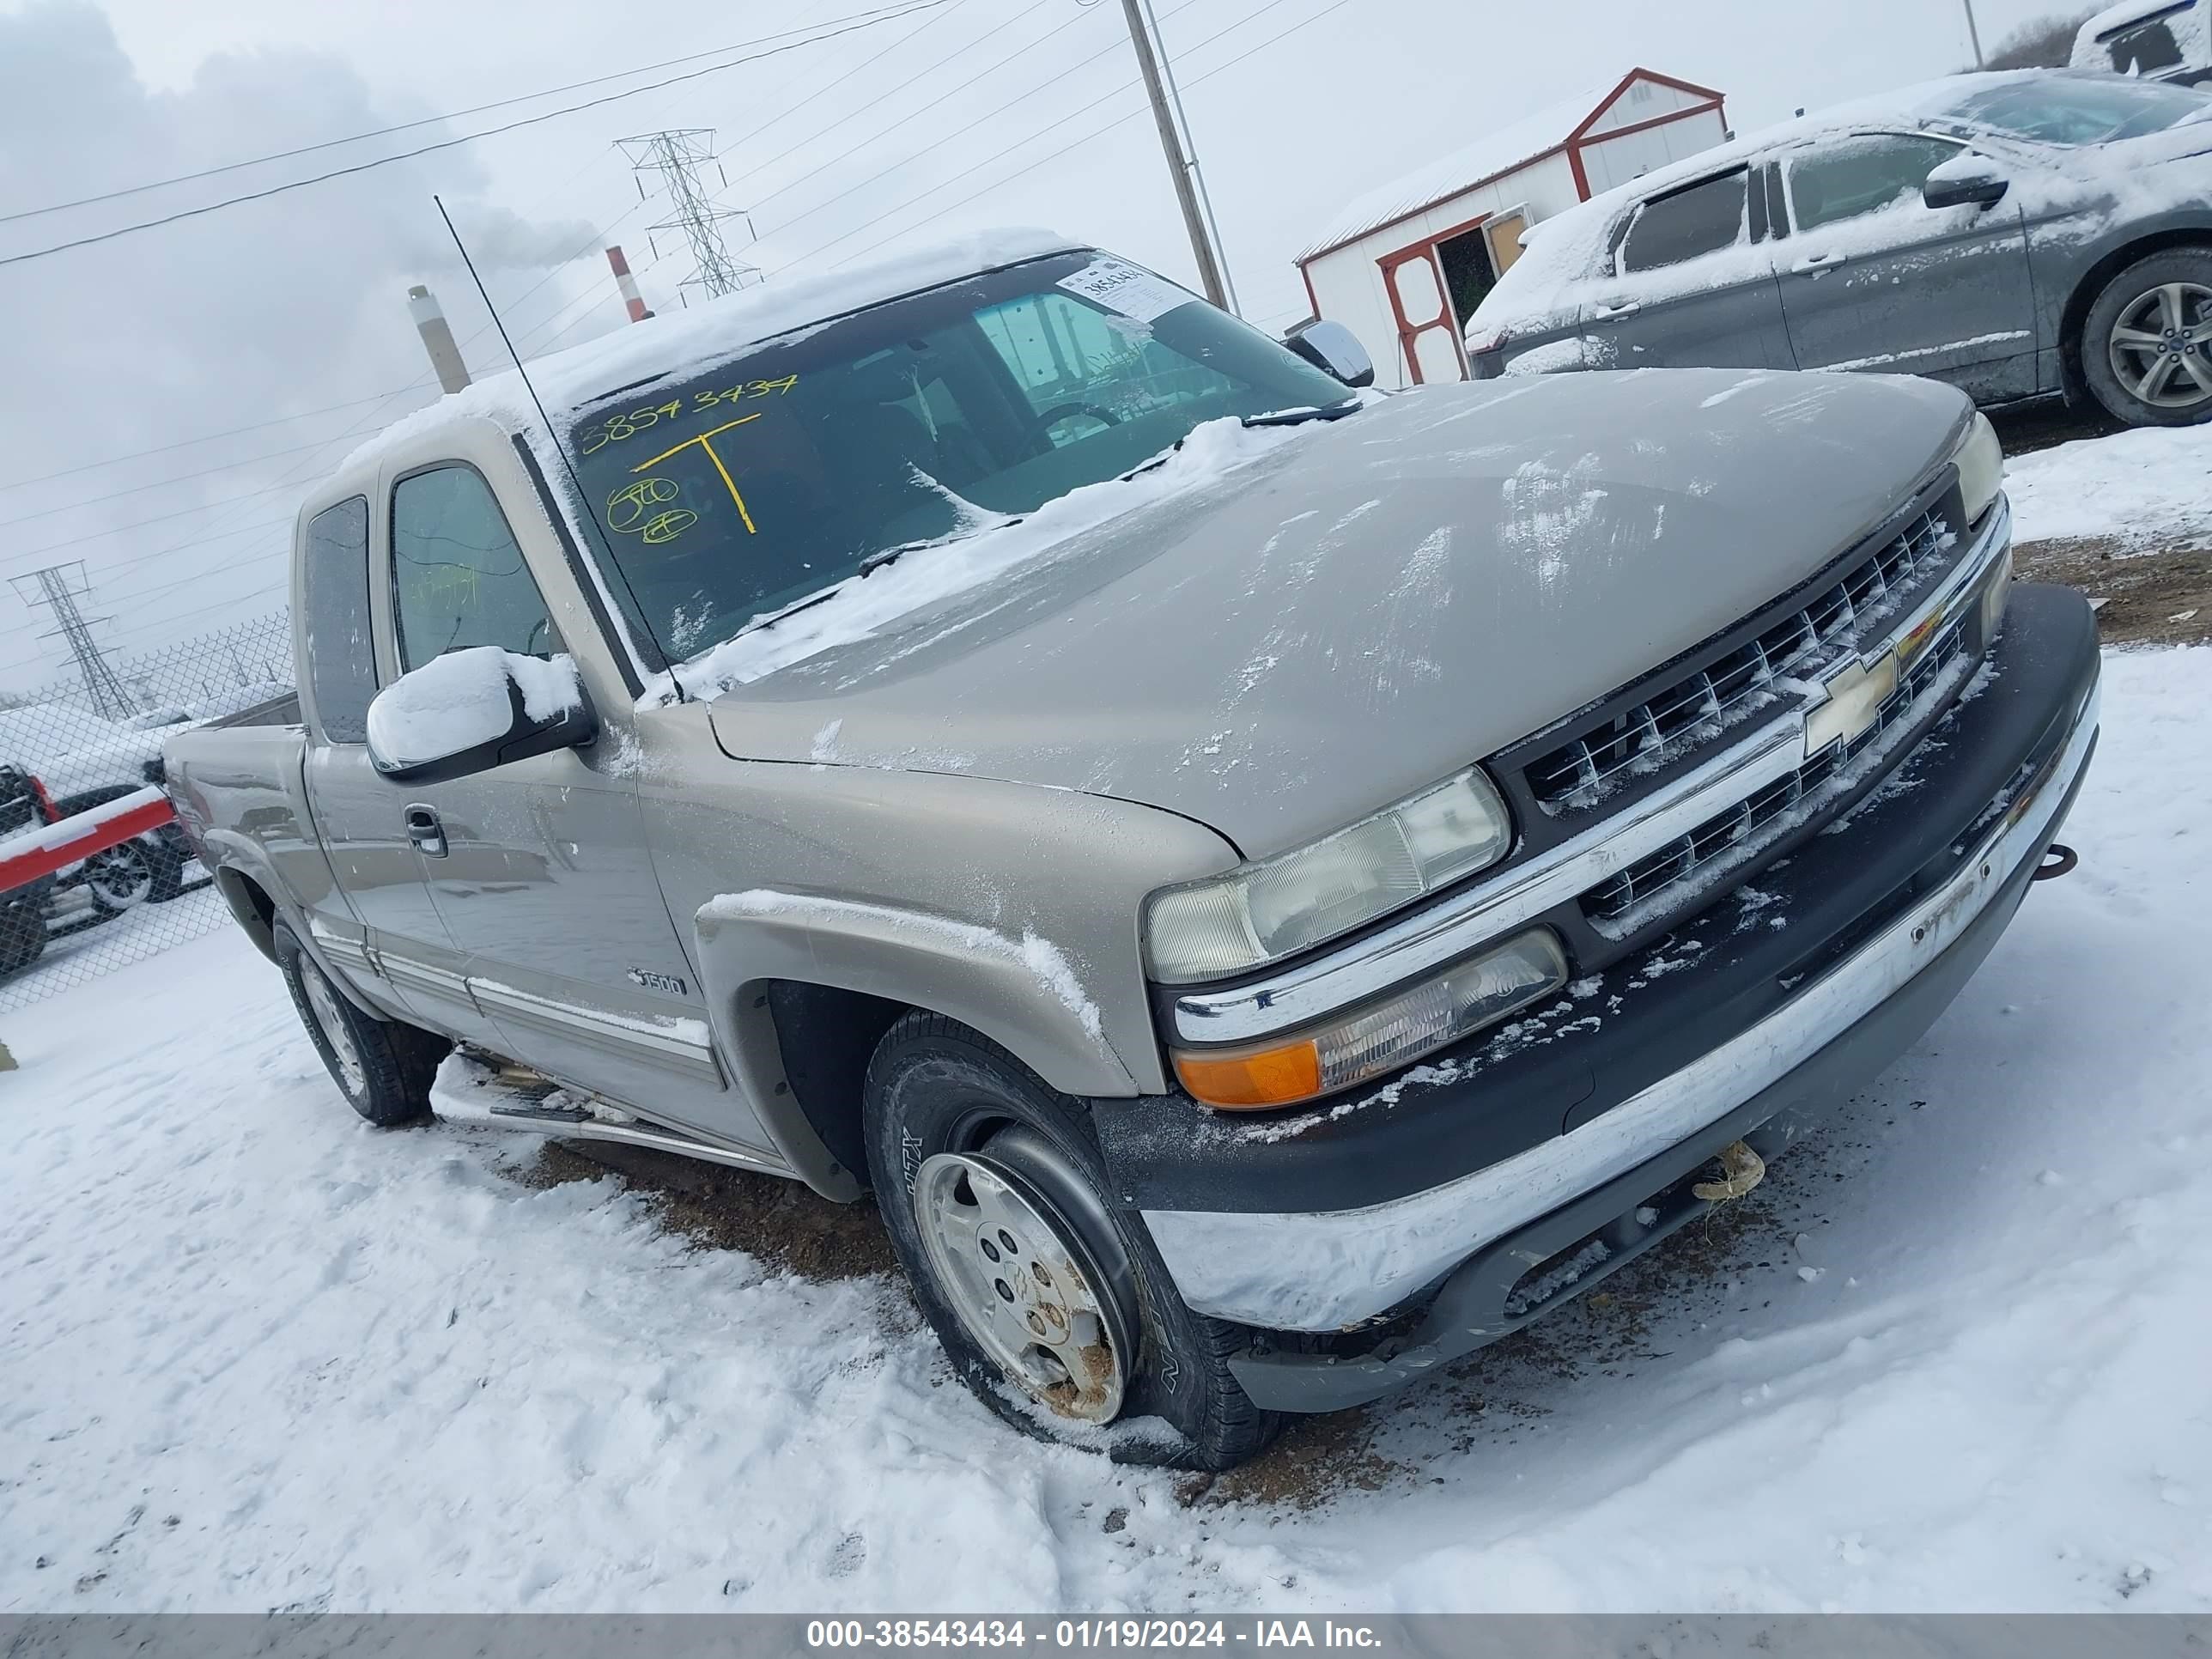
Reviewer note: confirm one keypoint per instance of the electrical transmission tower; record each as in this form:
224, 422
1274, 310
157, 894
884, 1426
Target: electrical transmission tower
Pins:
678, 157
58, 587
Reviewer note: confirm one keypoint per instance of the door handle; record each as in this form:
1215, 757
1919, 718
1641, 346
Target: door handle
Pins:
427, 830
1814, 261
1623, 308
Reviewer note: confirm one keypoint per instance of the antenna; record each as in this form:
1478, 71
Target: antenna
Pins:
552, 435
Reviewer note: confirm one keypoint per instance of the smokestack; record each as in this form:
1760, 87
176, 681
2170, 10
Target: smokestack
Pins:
437, 338
628, 285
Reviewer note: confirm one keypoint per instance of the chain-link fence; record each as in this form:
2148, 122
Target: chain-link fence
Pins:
95, 872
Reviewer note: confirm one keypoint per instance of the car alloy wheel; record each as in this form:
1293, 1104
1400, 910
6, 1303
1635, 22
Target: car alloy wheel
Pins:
1021, 1281
119, 879
2160, 346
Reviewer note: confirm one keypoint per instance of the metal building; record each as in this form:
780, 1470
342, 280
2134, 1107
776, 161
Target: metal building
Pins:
1405, 264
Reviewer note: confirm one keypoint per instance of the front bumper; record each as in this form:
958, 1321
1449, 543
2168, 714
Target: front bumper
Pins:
1885, 917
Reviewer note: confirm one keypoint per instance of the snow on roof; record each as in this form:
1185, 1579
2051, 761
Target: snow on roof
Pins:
2127, 12
716, 331
1485, 159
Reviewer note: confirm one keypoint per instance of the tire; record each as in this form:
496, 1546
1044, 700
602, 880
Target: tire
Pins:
2146, 344
967, 1146
22, 936
382, 1066
120, 878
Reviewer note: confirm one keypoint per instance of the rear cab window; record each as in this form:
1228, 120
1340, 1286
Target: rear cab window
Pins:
1688, 223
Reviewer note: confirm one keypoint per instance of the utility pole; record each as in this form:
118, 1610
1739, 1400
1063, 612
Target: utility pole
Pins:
678, 157
1197, 173
437, 338
1201, 245
58, 587
1974, 33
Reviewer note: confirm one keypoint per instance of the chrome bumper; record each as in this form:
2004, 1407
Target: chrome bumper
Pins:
1320, 1270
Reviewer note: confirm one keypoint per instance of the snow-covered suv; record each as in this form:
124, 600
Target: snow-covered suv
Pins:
2014, 235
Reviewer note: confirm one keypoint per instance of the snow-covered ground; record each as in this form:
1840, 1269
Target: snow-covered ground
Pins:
257, 1355
2144, 489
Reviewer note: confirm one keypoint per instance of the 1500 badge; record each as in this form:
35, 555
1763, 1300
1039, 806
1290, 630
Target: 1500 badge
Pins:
652, 981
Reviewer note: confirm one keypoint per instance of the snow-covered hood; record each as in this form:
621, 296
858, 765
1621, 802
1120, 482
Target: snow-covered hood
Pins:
1288, 644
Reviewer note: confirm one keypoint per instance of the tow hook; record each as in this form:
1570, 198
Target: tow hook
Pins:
2057, 860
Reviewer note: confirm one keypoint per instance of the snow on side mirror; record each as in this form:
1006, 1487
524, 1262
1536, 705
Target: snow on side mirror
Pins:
471, 710
1966, 178
1334, 349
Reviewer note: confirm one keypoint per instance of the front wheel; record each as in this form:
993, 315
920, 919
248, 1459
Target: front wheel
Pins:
2147, 341
383, 1067
1052, 1305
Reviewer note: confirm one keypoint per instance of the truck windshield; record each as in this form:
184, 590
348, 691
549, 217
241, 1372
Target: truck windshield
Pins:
725, 496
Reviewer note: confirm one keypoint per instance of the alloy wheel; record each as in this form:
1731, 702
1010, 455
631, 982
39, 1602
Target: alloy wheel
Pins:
2160, 346
119, 877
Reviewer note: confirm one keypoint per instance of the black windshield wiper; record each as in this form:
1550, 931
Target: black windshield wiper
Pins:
771, 618
1300, 417
877, 560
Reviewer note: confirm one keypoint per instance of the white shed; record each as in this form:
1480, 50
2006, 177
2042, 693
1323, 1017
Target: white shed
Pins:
1405, 265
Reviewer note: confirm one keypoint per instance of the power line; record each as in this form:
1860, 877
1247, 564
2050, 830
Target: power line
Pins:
949, 93
995, 110
1072, 145
839, 81
449, 143
187, 443
426, 121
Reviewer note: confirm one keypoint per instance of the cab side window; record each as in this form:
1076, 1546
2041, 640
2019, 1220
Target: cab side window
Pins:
341, 649
1703, 218
1855, 176
458, 578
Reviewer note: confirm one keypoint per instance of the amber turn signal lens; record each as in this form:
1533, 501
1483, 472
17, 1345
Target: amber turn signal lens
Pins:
1271, 1077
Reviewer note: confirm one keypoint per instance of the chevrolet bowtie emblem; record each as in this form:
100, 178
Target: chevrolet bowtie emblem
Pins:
1856, 695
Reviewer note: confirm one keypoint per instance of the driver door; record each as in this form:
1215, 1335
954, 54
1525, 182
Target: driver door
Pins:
1874, 278
538, 868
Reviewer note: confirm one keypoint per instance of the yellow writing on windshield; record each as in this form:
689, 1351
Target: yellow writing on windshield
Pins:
631, 511
705, 441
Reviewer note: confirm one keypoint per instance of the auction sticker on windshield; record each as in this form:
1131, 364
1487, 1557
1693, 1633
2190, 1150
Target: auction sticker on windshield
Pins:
1134, 294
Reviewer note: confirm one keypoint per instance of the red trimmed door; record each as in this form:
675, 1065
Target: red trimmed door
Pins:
1428, 334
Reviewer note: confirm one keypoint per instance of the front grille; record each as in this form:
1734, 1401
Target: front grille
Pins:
1698, 705
1671, 867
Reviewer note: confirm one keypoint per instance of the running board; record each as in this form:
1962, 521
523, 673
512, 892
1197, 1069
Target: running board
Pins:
468, 1092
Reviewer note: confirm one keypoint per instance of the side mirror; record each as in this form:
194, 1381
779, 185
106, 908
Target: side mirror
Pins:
1334, 349
471, 710
1966, 178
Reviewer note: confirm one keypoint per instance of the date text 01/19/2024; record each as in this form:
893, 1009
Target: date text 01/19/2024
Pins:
1079, 1633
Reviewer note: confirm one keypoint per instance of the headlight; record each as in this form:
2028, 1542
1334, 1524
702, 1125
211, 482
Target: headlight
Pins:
1382, 1036
1264, 911
1980, 460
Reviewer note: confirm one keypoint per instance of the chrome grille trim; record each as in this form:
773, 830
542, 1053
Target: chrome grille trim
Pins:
1699, 705
1427, 938
1617, 905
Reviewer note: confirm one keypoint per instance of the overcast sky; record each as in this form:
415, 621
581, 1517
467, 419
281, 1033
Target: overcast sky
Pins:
973, 113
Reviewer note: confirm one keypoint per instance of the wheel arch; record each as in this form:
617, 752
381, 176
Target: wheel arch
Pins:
251, 905
804, 991
2091, 283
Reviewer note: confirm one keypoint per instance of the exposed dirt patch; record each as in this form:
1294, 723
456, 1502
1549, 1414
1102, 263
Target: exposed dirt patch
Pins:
2049, 422
780, 1222
2144, 599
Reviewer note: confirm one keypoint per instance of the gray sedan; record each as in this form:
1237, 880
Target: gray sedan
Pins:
2016, 235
